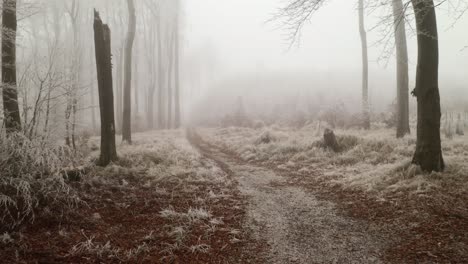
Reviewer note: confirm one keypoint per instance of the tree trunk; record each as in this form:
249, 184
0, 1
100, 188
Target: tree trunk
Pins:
149, 43
428, 145
136, 93
102, 39
93, 106
150, 110
9, 87
365, 68
160, 78
403, 127
177, 75
127, 108
118, 90
75, 75
170, 80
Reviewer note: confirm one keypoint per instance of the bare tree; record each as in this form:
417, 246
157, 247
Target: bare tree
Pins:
177, 68
160, 74
150, 41
428, 145
102, 39
126, 127
403, 127
365, 67
75, 72
170, 79
428, 152
9, 86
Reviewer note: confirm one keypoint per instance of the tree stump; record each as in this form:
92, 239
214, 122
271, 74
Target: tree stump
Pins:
330, 140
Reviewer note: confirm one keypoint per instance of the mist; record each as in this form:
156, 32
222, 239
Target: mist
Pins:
244, 40
234, 131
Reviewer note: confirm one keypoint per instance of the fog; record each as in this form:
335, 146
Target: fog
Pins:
242, 41
234, 131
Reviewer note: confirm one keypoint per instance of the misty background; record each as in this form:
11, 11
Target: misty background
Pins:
241, 52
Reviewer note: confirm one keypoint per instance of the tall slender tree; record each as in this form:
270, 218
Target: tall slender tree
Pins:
75, 76
403, 127
127, 103
177, 69
428, 152
365, 67
161, 77
170, 80
9, 86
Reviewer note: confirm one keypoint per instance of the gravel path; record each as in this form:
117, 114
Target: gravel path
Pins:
297, 226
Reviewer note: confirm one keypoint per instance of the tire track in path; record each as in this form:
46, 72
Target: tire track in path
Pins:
298, 227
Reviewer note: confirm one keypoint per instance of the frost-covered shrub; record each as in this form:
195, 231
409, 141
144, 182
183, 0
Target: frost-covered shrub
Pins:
347, 142
32, 175
265, 138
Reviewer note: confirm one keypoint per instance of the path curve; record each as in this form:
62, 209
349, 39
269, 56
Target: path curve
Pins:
298, 227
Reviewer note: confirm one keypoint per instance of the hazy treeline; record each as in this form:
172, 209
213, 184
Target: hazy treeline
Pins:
56, 71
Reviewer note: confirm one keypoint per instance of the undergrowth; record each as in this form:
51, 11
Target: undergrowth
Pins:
32, 175
373, 160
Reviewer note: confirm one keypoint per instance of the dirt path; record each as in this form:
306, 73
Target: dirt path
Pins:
297, 226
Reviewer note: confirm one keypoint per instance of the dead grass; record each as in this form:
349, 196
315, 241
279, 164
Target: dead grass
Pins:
34, 176
161, 202
373, 180
374, 161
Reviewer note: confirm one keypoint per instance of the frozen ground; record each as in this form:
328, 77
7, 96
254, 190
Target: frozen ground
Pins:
372, 180
238, 195
298, 227
373, 161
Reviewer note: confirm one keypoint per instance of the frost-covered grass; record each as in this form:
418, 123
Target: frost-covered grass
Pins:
374, 161
164, 161
155, 157
32, 176
162, 200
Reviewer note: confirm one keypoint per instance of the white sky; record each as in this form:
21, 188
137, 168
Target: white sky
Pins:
237, 31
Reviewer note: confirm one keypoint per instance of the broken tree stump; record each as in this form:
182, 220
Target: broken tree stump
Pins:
330, 141
102, 40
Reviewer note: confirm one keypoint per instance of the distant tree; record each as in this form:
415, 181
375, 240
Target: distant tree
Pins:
75, 75
428, 152
119, 62
170, 78
177, 69
161, 71
402, 122
150, 54
102, 40
428, 145
127, 103
9, 85
365, 67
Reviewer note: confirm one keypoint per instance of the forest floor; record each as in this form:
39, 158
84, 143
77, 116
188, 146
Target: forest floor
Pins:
409, 216
162, 202
256, 196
